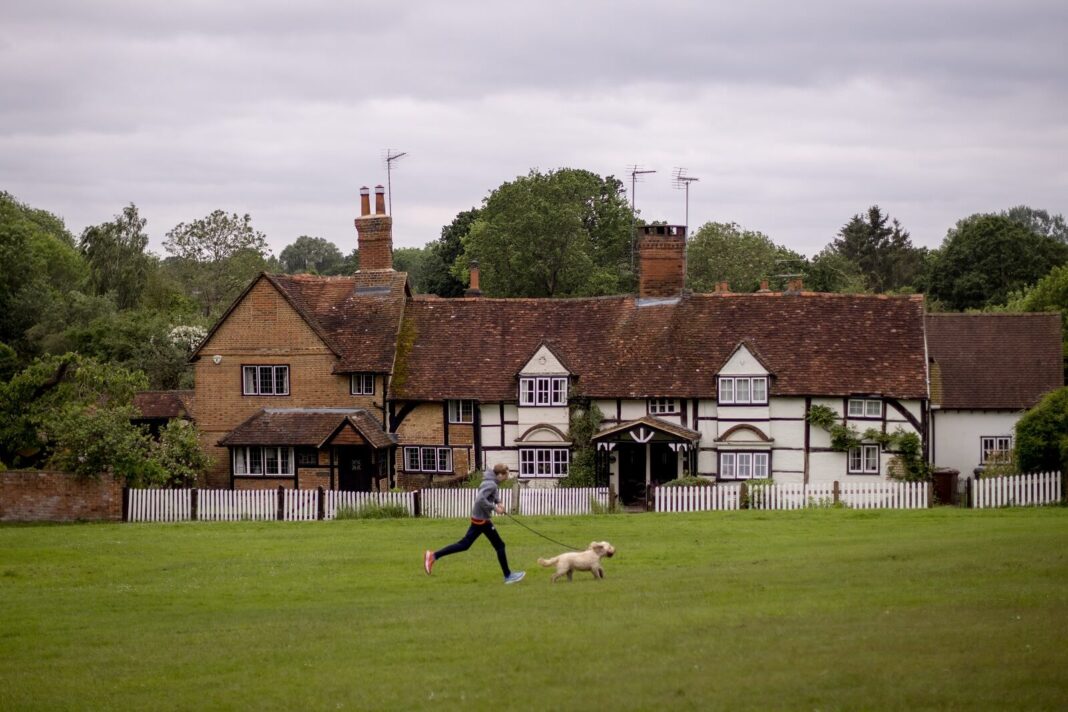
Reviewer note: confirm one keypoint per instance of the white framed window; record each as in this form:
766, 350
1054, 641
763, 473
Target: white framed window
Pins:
428, 459
543, 391
544, 462
461, 411
265, 380
743, 390
267, 461
307, 457
863, 460
743, 465
663, 406
865, 408
995, 448
362, 384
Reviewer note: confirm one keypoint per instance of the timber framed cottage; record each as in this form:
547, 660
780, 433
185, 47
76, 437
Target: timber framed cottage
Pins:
356, 383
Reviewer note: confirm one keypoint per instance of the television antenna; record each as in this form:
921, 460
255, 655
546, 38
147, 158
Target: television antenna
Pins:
391, 157
679, 179
636, 173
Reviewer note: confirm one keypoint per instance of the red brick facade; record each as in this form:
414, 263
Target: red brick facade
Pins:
44, 496
662, 249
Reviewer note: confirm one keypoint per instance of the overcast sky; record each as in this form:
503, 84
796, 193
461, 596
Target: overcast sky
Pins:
793, 115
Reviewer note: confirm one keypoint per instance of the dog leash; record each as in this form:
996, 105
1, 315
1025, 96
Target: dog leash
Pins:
566, 546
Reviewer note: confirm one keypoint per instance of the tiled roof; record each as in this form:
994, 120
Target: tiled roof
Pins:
164, 404
622, 347
994, 360
300, 426
358, 315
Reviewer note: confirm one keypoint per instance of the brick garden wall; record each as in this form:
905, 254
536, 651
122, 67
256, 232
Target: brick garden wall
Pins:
46, 496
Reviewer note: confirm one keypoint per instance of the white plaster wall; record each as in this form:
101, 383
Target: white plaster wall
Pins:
742, 363
957, 434
543, 363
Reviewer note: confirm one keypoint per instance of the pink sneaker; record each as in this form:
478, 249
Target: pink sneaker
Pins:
428, 561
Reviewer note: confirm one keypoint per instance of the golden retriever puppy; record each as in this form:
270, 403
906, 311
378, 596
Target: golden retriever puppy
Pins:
589, 560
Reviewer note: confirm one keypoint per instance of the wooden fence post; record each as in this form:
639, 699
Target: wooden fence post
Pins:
194, 504
837, 492
125, 504
743, 496
281, 502
930, 494
322, 503
650, 498
1064, 486
417, 503
968, 484
611, 498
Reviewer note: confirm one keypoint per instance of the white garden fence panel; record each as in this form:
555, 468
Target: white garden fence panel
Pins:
300, 505
697, 499
885, 495
354, 501
159, 505
562, 500
446, 503
1017, 490
237, 505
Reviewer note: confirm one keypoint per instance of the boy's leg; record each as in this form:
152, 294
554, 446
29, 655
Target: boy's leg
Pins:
498, 544
462, 545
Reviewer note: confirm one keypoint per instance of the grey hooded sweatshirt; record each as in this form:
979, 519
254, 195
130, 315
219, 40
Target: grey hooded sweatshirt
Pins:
486, 500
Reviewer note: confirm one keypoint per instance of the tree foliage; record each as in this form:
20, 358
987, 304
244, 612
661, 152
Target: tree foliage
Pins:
830, 271
311, 254
115, 253
881, 249
726, 252
562, 233
985, 258
442, 254
1042, 435
215, 257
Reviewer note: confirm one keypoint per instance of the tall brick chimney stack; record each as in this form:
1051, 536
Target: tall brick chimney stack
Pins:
374, 232
661, 260
473, 290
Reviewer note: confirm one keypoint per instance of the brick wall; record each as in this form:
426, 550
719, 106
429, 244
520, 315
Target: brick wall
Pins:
265, 330
45, 496
375, 235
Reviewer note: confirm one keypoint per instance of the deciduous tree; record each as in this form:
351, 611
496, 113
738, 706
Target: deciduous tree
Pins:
727, 252
311, 254
115, 253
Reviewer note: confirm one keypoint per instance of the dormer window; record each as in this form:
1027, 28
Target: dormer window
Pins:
362, 384
461, 411
743, 390
865, 408
543, 391
663, 406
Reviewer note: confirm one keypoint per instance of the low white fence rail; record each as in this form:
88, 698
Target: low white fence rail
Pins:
355, 501
697, 499
1017, 490
156, 505
236, 505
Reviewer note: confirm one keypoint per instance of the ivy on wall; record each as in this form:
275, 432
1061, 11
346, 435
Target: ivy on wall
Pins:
907, 446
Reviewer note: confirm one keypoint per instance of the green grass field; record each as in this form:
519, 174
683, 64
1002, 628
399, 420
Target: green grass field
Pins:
822, 609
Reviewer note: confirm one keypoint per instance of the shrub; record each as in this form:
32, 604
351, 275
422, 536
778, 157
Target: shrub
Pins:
1042, 434
689, 482
372, 511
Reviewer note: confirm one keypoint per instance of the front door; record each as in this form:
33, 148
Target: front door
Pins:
354, 469
631, 459
665, 463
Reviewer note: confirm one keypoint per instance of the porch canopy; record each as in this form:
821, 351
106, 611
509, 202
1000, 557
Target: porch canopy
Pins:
315, 427
648, 430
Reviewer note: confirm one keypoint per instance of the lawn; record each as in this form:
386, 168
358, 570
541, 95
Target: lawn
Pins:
821, 609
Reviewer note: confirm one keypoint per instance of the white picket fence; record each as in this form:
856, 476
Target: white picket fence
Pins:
874, 495
174, 505
358, 500
566, 501
1017, 490
697, 499
449, 503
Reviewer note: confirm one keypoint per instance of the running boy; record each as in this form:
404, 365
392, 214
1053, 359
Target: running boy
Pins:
486, 504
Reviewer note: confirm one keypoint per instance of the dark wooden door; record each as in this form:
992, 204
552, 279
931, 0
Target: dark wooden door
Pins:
354, 469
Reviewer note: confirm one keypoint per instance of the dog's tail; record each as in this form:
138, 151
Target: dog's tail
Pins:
548, 562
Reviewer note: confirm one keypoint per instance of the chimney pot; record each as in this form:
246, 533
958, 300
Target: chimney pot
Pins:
380, 200
763, 286
723, 287
794, 285
365, 201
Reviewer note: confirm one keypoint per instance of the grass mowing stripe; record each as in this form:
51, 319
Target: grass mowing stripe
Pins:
740, 610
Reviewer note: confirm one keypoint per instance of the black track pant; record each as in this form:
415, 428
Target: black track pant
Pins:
478, 527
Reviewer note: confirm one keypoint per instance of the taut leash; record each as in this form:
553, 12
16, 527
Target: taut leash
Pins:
566, 546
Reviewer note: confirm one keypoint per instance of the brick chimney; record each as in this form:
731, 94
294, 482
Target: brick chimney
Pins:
723, 287
661, 260
374, 233
763, 287
794, 286
473, 290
